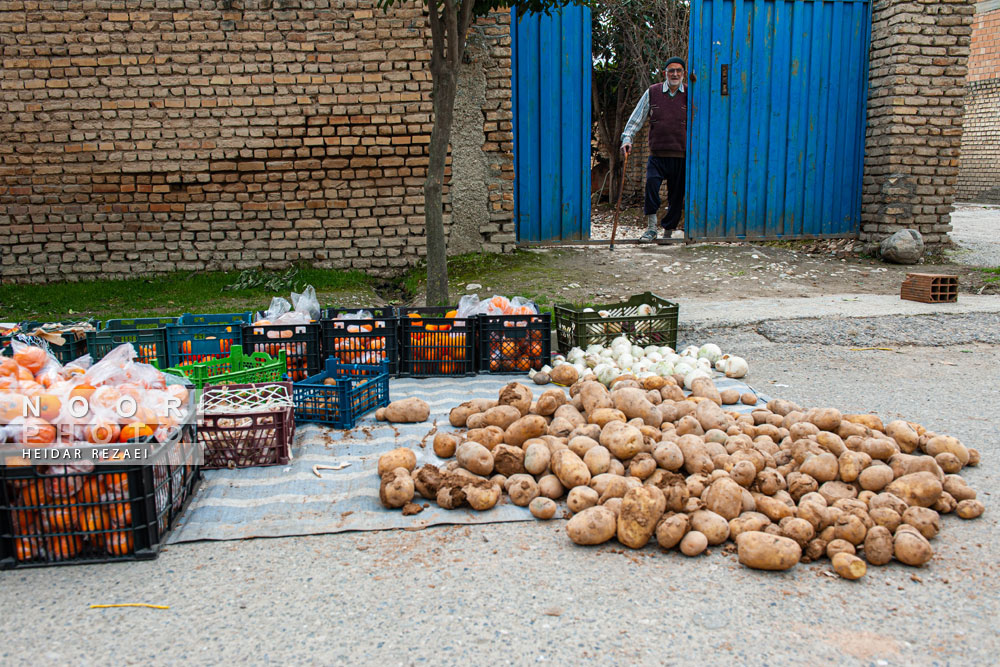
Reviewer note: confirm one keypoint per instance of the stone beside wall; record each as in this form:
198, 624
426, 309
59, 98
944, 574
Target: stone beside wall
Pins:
979, 171
919, 52
161, 135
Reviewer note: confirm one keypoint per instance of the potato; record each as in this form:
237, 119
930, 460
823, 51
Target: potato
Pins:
517, 395
536, 458
570, 414
826, 419
550, 487
525, 428
870, 421
878, 545
946, 503
396, 488
594, 525
508, 460
475, 458
911, 548
542, 508
550, 401
622, 441
445, 444
641, 466
482, 495
904, 435
714, 527
946, 443
743, 473
802, 430
522, 490
597, 459
881, 449
781, 407
922, 464
837, 546
580, 498
799, 530
849, 566
822, 468
594, 395
450, 494
641, 510
460, 414
565, 374
834, 490
885, 517
731, 397
762, 551
958, 489
875, 477
581, 444
634, 404
769, 482
725, 498
970, 509
407, 410
948, 463
427, 480
615, 505
704, 387
671, 530
887, 499
920, 488
710, 416
616, 467
401, 457
489, 436
693, 543
973, 457
831, 442
746, 522
569, 468
668, 456
592, 431
688, 425
850, 528
501, 416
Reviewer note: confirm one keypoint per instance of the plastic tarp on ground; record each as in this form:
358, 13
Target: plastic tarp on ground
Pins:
280, 501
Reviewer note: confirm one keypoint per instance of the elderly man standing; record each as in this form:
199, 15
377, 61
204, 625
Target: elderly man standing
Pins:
666, 106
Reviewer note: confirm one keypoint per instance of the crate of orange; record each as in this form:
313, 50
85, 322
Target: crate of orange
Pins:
197, 338
515, 343
370, 339
73, 335
148, 335
341, 393
301, 344
83, 512
434, 341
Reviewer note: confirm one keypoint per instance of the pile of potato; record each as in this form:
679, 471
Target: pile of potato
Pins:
641, 460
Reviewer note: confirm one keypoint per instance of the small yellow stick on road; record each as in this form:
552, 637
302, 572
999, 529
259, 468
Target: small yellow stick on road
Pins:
862, 349
130, 604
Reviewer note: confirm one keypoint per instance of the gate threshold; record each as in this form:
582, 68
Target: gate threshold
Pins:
567, 244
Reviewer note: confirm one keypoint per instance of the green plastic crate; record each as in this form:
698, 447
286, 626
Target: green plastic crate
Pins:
575, 328
237, 368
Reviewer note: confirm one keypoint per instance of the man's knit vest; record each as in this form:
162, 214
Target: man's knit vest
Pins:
667, 122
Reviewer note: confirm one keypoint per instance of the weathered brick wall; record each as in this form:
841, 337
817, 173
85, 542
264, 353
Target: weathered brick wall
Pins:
919, 51
979, 171
153, 135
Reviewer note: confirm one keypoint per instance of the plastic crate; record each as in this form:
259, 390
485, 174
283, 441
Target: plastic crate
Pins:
514, 343
300, 342
575, 328
353, 391
197, 338
433, 345
55, 515
237, 368
362, 341
147, 334
930, 288
74, 347
253, 435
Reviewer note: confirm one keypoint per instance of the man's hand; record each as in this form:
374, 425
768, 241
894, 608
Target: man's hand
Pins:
626, 148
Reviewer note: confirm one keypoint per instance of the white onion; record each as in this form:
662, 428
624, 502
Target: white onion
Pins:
710, 351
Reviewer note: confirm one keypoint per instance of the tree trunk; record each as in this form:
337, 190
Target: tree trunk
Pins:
445, 79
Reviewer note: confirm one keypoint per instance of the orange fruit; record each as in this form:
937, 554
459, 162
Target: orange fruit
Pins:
8, 367
94, 520
38, 431
32, 358
119, 543
91, 490
120, 513
26, 549
34, 494
64, 546
61, 519
103, 432
48, 407
11, 407
84, 391
135, 430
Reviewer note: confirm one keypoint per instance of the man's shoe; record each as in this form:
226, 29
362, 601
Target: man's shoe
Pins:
648, 237
673, 233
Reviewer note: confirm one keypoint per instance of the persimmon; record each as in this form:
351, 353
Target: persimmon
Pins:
119, 543
84, 391
32, 358
26, 548
38, 431
61, 488
120, 513
60, 519
135, 430
103, 432
11, 407
91, 490
523, 364
48, 406
34, 494
9, 367
94, 520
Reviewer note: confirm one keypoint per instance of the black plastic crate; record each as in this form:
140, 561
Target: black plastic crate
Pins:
74, 347
148, 335
362, 341
432, 344
341, 393
575, 328
61, 515
514, 343
301, 343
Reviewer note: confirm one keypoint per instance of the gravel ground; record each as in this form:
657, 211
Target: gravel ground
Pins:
976, 232
522, 593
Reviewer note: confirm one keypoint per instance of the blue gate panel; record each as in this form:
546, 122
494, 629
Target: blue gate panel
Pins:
550, 82
779, 152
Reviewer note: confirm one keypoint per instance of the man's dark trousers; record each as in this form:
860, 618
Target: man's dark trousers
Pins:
671, 170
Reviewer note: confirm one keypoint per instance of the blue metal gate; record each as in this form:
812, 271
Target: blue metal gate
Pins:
777, 118
550, 70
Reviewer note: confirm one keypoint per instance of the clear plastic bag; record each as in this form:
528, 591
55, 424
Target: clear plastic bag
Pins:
469, 305
306, 302
279, 306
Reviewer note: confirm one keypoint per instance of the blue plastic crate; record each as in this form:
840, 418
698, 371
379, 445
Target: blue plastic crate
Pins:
200, 338
357, 390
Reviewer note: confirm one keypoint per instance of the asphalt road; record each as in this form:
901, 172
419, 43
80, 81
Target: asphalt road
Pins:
522, 593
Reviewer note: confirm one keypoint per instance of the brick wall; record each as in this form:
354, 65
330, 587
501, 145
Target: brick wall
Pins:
153, 135
919, 51
979, 171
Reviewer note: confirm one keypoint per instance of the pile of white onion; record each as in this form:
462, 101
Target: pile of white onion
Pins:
607, 363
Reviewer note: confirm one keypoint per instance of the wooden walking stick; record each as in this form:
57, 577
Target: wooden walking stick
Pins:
618, 206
